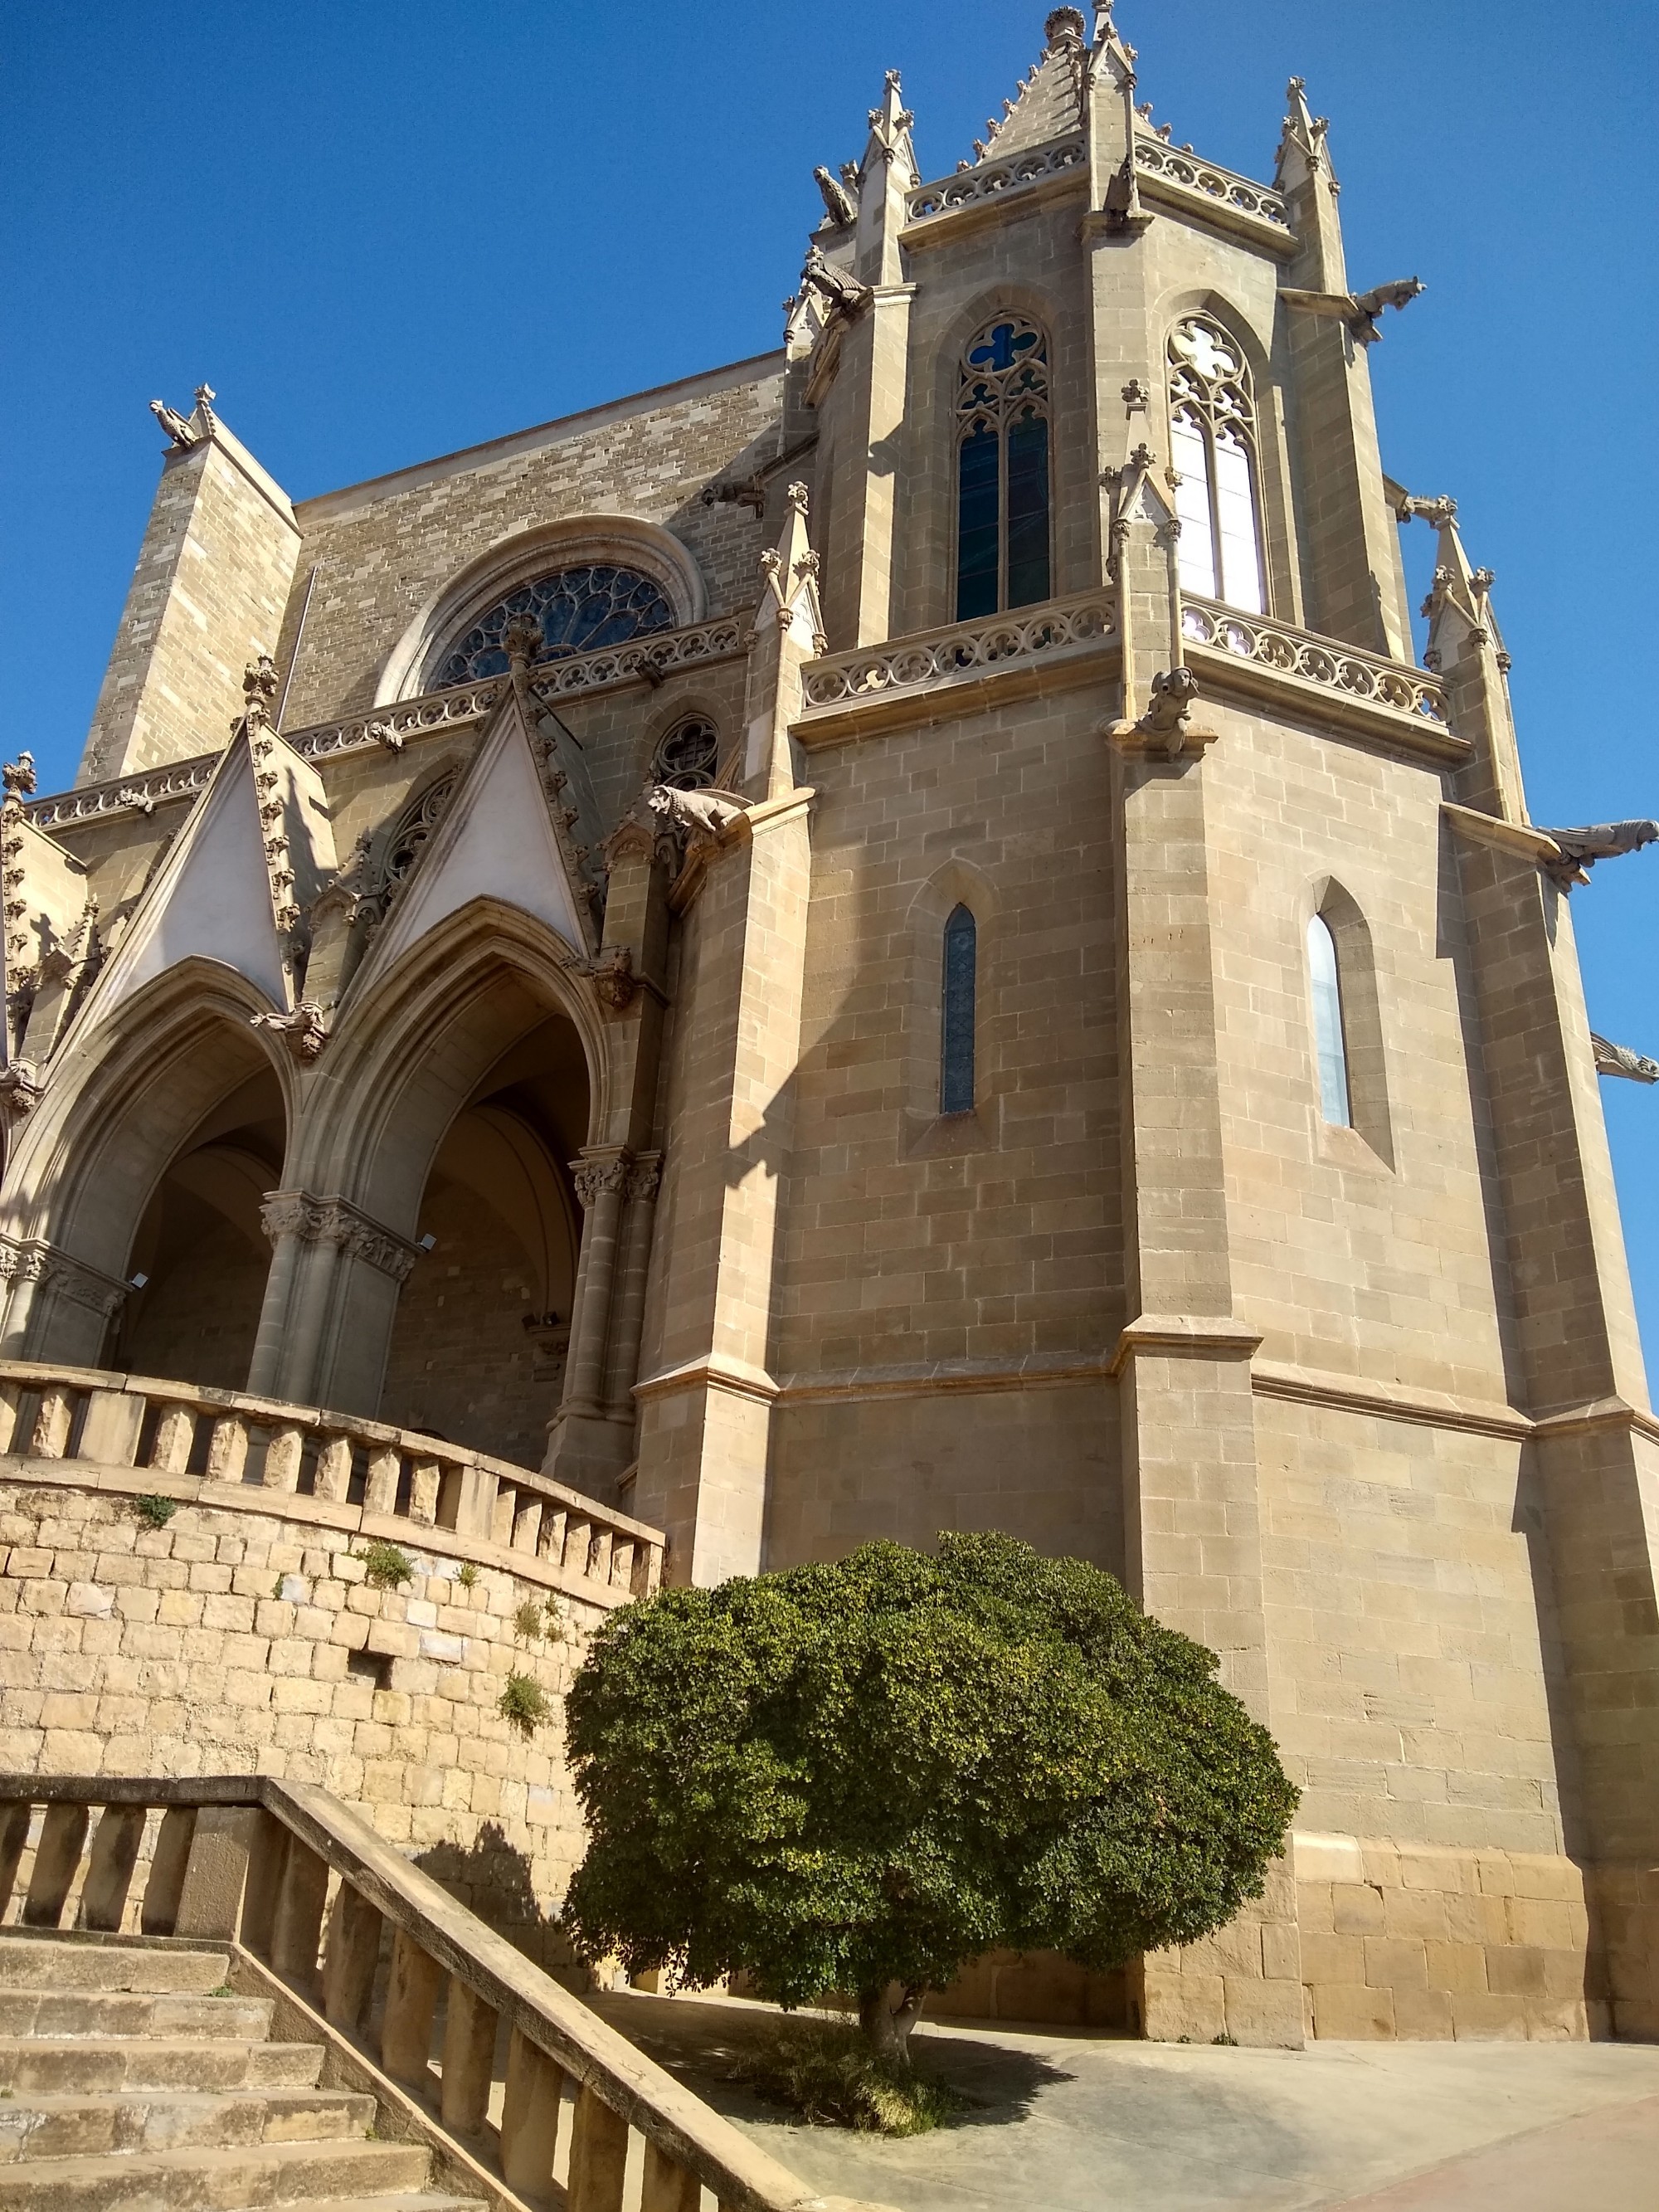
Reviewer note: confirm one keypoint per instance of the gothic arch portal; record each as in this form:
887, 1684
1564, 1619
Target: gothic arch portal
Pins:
172, 1107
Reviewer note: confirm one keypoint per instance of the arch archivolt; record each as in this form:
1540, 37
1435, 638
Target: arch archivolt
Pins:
626, 541
405, 1057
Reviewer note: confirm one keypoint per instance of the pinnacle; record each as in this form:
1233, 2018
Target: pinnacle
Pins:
1048, 102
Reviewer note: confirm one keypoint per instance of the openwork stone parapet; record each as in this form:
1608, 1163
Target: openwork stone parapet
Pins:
966, 650
1161, 165
1295, 658
995, 179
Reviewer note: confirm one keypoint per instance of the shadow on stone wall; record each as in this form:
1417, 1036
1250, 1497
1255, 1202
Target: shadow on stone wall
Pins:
491, 1877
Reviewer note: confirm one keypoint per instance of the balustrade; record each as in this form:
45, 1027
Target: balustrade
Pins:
1321, 660
992, 179
225, 1447
966, 649
303, 1893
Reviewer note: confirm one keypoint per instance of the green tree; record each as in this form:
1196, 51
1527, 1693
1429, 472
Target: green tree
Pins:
859, 1776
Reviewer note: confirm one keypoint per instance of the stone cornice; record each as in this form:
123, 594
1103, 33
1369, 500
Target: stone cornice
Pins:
1388, 1402
1184, 1336
715, 1370
1509, 836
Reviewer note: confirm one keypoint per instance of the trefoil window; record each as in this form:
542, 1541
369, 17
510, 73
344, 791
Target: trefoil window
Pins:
956, 1026
1213, 450
1330, 1045
580, 610
1002, 470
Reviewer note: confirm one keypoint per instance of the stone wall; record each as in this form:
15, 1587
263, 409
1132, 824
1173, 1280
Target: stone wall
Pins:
234, 1642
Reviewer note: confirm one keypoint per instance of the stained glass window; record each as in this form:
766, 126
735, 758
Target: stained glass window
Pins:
957, 1027
1002, 470
1329, 1044
1213, 442
580, 610
688, 756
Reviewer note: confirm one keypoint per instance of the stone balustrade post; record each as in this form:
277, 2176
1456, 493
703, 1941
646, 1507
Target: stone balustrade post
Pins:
159, 1914
353, 1955
57, 1862
469, 2055
529, 2116
412, 1999
109, 1871
14, 1820
665, 2185
598, 2154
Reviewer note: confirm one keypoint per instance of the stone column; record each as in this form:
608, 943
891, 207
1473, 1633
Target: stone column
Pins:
622, 1364
331, 1300
601, 1178
56, 1307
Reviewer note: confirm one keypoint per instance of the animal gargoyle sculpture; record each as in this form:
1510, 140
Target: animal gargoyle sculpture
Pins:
1602, 841
1358, 310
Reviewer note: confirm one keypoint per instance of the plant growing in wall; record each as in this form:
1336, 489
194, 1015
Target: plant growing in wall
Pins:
860, 1776
386, 1566
154, 1511
525, 1704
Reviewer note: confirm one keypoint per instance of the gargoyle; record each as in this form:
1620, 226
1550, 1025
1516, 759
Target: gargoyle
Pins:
1620, 1060
305, 1032
699, 814
1358, 310
180, 433
1173, 691
1603, 840
835, 286
614, 979
839, 205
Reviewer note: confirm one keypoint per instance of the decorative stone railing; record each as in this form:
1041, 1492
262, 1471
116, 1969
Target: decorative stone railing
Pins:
126, 794
305, 1896
990, 178
967, 649
218, 1448
1321, 661
648, 659
1169, 164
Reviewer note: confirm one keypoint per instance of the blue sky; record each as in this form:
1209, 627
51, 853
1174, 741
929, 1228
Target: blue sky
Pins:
382, 233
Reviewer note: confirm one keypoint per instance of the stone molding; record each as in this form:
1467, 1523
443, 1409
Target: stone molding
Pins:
1185, 1336
34, 1259
1518, 838
714, 1372
338, 1222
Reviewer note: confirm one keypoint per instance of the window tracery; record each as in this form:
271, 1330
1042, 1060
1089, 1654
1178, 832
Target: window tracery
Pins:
580, 610
688, 757
408, 840
957, 1009
1215, 451
1002, 470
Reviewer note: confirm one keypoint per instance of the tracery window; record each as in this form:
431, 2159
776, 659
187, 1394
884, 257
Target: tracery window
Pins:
1213, 450
580, 610
1002, 470
956, 1089
688, 757
409, 838
1330, 1042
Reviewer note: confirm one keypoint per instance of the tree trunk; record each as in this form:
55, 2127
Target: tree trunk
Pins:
886, 2016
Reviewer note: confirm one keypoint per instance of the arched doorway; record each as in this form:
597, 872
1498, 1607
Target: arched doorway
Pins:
201, 1246
483, 1324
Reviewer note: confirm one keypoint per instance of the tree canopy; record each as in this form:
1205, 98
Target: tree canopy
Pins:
857, 1776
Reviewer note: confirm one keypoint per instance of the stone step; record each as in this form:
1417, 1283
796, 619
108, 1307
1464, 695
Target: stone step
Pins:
337, 2174
56, 2068
416, 2200
39, 1963
133, 2120
113, 2012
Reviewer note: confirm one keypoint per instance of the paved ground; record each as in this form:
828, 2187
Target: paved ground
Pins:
1078, 2123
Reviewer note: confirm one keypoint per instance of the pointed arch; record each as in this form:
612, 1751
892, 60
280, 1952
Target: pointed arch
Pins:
130, 1098
1347, 1063
950, 1088
1215, 450
1003, 471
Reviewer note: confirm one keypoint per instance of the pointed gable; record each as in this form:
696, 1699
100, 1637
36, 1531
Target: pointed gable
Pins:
1049, 104
497, 840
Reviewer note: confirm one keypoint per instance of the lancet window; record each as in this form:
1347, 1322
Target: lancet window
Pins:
580, 610
1330, 1042
689, 756
957, 1025
1003, 470
1215, 451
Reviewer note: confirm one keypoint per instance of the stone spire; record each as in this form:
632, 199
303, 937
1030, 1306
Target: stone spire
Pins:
1048, 103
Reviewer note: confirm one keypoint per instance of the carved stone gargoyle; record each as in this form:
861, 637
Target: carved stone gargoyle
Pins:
1167, 725
1620, 1060
1602, 841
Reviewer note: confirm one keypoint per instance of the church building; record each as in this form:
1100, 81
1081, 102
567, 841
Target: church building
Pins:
890, 938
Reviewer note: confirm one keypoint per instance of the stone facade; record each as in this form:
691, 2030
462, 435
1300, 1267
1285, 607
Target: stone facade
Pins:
596, 1121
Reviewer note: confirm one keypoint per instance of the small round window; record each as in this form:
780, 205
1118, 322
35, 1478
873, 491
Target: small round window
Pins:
688, 756
580, 610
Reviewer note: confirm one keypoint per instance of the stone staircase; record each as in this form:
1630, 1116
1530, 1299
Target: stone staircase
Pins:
132, 2080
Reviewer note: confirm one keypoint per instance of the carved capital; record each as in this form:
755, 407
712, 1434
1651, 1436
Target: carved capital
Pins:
645, 1177
594, 1178
336, 1221
32, 1260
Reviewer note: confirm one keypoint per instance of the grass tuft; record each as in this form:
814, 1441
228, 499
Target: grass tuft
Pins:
467, 1575
831, 2077
385, 1565
525, 1704
156, 1511
530, 1622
